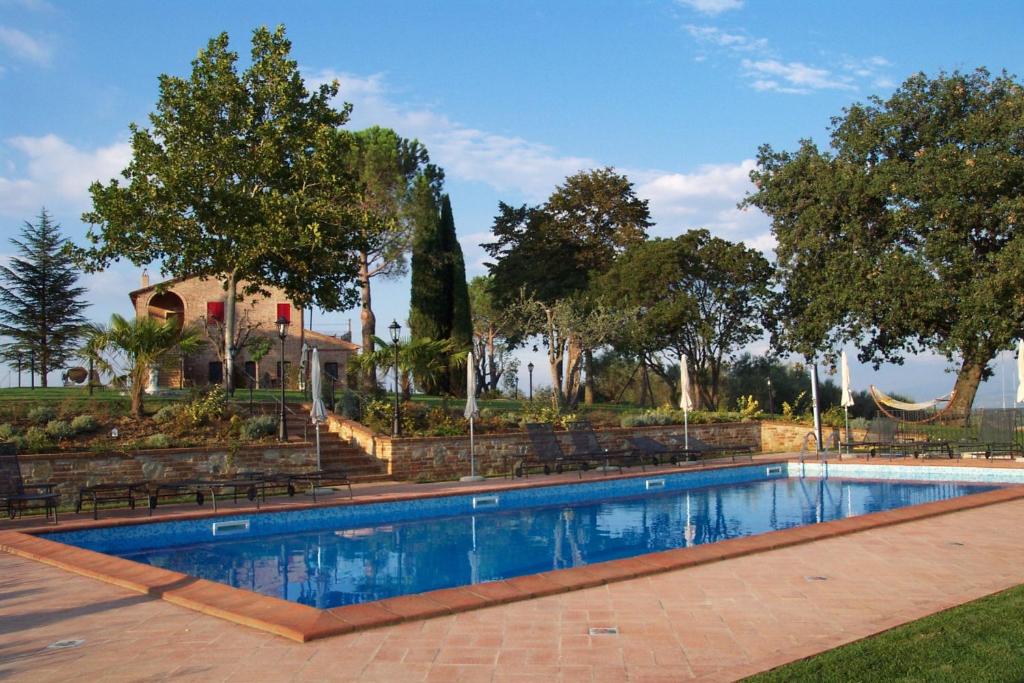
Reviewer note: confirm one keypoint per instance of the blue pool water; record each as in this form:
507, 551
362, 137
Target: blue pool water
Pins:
349, 555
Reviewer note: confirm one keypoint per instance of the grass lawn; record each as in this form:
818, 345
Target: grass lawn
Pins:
980, 641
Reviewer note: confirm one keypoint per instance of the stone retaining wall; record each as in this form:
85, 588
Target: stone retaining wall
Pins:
409, 459
432, 458
69, 471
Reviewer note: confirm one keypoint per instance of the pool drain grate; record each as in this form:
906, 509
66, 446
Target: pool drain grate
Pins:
65, 644
605, 631
816, 578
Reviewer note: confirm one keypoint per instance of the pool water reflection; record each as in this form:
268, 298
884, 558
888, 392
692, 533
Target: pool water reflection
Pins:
334, 567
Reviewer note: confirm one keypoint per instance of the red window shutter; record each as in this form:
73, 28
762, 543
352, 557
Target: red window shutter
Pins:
284, 311
215, 311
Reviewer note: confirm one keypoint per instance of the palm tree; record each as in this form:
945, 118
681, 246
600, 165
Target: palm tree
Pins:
139, 344
422, 358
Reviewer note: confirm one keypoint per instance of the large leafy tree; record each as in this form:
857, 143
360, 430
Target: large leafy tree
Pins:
387, 168
697, 295
40, 301
550, 253
237, 178
906, 234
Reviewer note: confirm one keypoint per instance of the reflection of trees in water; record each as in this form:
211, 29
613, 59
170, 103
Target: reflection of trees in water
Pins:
332, 568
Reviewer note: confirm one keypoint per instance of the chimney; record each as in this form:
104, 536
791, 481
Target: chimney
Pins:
145, 278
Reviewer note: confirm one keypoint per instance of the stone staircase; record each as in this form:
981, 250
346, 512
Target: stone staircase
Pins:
335, 453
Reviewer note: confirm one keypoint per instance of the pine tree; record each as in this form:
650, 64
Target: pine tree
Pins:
40, 302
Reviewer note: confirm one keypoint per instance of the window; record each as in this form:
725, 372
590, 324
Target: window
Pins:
250, 370
215, 311
287, 364
216, 375
284, 311
331, 370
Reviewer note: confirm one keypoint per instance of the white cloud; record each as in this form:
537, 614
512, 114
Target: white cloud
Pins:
704, 198
712, 6
765, 71
793, 77
508, 164
57, 174
736, 42
24, 47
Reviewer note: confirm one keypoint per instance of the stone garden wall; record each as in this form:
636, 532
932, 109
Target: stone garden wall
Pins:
424, 458
409, 459
69, 471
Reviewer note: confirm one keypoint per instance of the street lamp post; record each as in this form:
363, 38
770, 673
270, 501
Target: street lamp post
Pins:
395, 328
771, 402
282, 332
529, 369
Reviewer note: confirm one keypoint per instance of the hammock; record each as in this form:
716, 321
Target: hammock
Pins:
885, 402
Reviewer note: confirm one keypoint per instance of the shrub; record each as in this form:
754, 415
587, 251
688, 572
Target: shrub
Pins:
348, 404
168, 413
41, 415
544, 412
7, 432
84, 424
36, 439
59, 429
208, 407
158, 441
258, 427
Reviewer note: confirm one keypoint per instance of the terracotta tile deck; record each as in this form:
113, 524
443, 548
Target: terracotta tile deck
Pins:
715, 621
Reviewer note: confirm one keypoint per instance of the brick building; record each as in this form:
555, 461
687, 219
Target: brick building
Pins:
200, 303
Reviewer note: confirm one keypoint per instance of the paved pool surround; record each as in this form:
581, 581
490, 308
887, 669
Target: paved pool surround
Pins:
302, 623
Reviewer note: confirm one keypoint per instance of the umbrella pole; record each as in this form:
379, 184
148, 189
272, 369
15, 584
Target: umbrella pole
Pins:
472, 451
846, 414
686, 429
318, 466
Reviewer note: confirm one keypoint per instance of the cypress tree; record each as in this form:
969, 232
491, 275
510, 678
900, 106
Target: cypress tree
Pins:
40, 302
427, 299
460, 323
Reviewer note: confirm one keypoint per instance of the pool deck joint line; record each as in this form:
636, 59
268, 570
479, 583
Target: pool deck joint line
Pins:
303, 623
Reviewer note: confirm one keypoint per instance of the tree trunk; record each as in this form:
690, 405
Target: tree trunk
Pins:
966, 387
492, 371
573, 367
368, 321
137, 379
588, 390
231, 287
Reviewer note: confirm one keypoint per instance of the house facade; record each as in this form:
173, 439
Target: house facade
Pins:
200, 303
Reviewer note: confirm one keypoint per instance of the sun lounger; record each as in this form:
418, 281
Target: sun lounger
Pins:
548, 455
1000, 434
585, 445
15, 494
110, 493
319, 479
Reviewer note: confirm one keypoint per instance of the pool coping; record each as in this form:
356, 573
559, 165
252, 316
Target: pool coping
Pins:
303, 623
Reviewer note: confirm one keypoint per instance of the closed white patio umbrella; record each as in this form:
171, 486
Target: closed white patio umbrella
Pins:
318, 413
846, 399
470, 413
1020, 371
685, 401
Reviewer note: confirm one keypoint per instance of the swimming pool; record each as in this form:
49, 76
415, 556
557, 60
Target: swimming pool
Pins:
328, 557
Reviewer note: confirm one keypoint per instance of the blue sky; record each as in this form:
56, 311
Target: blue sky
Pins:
509, 97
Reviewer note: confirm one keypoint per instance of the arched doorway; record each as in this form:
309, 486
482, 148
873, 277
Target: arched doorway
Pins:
167, 306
